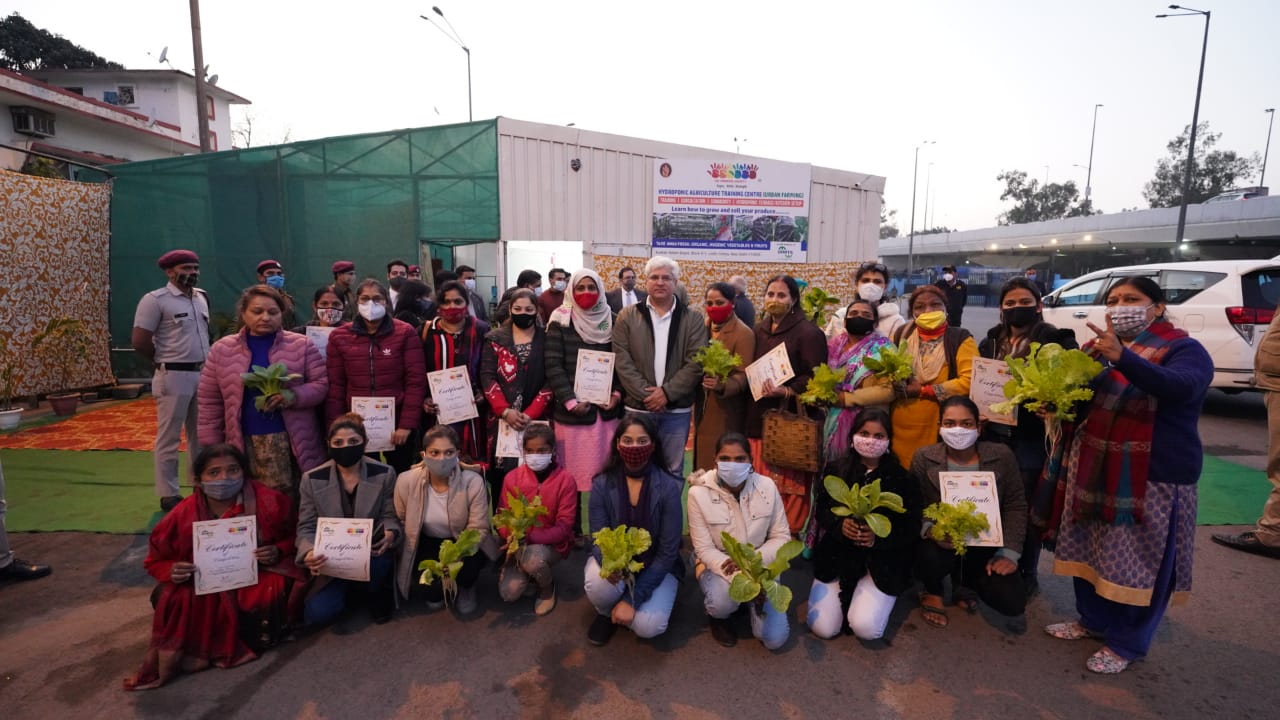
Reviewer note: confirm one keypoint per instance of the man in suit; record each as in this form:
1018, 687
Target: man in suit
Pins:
626, 295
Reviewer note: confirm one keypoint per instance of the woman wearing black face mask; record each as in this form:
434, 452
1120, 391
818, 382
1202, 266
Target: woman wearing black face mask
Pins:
859, 388
1021, 324
414, 304
349, 485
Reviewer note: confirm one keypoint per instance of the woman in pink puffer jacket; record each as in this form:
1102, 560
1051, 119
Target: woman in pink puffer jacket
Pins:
284, 438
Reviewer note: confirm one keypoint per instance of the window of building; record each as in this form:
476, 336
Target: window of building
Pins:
76, 90
208, 102
124, 96
213, 141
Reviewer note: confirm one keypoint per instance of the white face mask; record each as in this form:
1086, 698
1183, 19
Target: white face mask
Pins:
470, 283
958, 438
948, 277
733, 474
559, 285
538, 462
870, 292
1129, 320
869, 447
372, 311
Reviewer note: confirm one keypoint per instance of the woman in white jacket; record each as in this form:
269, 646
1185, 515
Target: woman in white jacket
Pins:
748, 506
871, 282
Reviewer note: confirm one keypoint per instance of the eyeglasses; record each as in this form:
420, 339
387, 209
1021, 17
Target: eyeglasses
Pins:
875, 266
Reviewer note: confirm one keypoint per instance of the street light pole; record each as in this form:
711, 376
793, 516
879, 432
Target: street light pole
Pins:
928, 180
1088, 178
1195, 118
911, 239
1262, 181
456, 38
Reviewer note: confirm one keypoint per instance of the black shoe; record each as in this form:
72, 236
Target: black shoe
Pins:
1030, 586
601, 630
20, 569
170, 502
1248, 542
381, 606
722, 631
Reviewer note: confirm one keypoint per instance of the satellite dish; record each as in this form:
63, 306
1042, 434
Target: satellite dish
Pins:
164, 54
213, 79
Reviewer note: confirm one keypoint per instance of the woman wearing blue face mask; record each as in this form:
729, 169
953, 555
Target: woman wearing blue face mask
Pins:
982, 573
193, 632
733, 499
435, 501
856, 575
1128, 501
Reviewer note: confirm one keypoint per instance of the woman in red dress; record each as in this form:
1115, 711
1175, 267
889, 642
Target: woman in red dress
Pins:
192, 632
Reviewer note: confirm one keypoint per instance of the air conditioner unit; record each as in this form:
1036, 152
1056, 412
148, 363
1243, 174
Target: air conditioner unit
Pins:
33, 121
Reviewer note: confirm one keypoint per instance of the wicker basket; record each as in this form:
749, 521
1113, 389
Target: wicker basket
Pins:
792, 440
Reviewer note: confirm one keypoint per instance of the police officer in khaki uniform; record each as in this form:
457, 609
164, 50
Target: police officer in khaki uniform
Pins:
344, 276
171, 329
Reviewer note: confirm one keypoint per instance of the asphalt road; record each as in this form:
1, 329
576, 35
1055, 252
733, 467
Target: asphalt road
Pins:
67, 641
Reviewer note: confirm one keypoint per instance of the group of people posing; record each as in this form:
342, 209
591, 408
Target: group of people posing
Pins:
1116, 497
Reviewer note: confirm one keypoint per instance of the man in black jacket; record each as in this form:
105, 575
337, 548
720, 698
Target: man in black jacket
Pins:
957, 294
628, 294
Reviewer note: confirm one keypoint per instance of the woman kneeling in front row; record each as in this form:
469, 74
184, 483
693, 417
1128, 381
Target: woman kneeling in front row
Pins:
733, 499
852, 568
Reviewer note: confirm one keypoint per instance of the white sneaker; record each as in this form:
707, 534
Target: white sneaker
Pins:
466, 602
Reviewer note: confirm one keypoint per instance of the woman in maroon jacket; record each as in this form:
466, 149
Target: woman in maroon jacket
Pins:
378, 356
785, 324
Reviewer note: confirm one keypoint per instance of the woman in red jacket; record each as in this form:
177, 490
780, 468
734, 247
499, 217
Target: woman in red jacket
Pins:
552, 538
282, 439
378, 356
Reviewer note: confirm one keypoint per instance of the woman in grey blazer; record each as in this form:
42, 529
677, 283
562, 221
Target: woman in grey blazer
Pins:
349, 485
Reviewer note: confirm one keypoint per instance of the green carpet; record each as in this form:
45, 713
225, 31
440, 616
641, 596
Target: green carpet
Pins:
113, 492
92, 491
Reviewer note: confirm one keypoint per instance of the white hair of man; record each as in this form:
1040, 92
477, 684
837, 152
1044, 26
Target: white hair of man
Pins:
739, 283
658, 262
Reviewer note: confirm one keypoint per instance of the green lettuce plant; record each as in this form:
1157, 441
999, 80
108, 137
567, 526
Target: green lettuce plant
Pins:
861, 503
754, 579
814, 303
716, 360
619, 547
269, 381
821, 388
1050, 379
956, 524
517, 517
448, 564
891, 362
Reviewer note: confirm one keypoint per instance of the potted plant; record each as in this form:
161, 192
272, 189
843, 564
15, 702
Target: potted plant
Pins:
63, 343
9, 379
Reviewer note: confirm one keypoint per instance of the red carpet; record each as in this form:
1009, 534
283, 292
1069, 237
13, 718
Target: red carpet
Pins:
128, 426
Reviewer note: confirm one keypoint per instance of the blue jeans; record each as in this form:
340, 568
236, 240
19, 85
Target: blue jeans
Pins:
652, 616
673, 429
771, 628
326, 605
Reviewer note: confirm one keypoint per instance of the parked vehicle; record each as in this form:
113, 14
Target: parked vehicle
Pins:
1235, 195
1225, 304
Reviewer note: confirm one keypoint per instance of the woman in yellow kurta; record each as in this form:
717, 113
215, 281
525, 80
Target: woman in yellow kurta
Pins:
942, 363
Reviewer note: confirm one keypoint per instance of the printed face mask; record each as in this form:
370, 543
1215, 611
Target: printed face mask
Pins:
869, 447
329, 316
958, 438
777, 308
372, 311
1129, 320
635, 457
870, 292
733, 474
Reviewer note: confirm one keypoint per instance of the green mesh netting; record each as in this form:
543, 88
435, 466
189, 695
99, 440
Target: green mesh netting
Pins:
364, 198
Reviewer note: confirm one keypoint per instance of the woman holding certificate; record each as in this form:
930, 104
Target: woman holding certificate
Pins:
1021, 325
974, 471
350, 486
435, 501
326, 310
858, 576
456, 339
280, 436
724, 406
942, 366
196, 624
859, 388
514, 380
583, 427
636, 490
1128, 518
375, 363
806, 347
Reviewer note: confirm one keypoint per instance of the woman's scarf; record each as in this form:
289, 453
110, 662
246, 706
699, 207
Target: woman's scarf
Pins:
1113, 461
839, 423
594, 325
928, 354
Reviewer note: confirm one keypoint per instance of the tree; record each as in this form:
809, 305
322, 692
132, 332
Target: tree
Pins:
1214, 172
25, 47
935, 230
888, 224
1033, 203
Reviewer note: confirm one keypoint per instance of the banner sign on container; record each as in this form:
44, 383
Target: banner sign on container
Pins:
738, 210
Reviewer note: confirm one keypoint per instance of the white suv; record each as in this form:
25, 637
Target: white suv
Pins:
1225, 304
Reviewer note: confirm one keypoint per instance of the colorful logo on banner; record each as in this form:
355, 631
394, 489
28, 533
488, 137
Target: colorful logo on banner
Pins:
736, 171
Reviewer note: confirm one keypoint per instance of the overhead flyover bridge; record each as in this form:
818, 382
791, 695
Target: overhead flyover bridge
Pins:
1061, 249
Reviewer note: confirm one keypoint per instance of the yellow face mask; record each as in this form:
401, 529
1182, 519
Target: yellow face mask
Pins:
931, 320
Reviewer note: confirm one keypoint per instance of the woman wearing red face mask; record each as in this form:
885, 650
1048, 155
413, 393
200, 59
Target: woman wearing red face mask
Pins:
456, 339
583, 429
725, 401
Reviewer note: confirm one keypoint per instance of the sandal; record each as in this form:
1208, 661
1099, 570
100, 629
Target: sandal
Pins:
931, 610
966, 600
1106, 662
1070, 631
